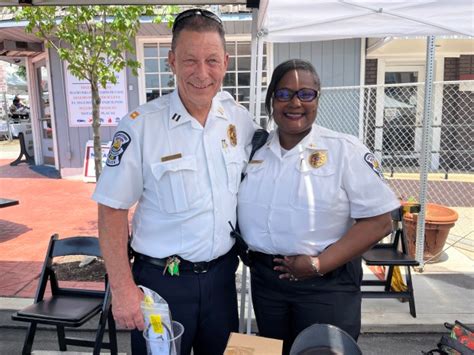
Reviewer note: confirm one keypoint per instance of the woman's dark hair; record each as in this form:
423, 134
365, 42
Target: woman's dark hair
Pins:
280, 71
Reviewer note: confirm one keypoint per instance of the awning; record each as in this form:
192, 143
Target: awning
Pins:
316, 20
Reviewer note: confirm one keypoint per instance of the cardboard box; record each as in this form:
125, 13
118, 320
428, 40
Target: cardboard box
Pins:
243, 344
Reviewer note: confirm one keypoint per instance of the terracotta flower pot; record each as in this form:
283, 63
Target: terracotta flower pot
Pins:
438, 221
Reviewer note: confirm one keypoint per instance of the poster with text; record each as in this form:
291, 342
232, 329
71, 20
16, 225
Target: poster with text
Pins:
79, 102
89, 159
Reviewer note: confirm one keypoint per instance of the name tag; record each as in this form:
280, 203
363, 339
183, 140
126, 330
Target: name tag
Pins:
256, 161
171, 157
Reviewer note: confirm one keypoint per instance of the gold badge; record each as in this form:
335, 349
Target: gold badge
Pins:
232, 134
134, 115
318, 158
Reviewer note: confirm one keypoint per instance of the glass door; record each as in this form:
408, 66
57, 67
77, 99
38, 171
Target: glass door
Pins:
403, 105
45, 126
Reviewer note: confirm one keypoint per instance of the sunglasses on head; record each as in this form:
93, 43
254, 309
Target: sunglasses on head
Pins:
196, 12
304, 95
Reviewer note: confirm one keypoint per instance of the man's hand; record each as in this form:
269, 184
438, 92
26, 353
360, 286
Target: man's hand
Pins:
126, 308
126, 296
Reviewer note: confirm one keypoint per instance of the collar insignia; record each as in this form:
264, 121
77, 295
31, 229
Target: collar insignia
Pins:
220, 110
232, 134
318, 158
176, 117
134, 115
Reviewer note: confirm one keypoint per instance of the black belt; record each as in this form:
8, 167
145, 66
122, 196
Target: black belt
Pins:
184, 265
266, 259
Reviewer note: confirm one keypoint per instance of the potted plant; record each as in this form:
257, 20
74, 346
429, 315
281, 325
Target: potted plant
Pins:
439, 220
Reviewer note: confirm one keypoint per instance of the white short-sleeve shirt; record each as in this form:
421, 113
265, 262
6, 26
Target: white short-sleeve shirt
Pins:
307, 199
185, 177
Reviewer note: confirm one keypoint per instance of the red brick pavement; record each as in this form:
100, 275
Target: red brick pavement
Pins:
47, 206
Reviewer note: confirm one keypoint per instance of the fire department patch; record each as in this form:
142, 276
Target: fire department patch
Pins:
318, 158
232, 134
119, 145
373, 163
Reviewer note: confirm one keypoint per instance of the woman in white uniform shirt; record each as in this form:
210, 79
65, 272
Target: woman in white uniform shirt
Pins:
312, 201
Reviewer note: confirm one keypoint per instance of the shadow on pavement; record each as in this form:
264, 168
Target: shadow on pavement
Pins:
11, 230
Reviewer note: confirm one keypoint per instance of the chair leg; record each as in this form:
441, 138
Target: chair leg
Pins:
388, 280
411, 298
112, 334
61, 338
30, 336
99, 335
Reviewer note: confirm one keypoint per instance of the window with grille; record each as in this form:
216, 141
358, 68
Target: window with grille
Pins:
159, 80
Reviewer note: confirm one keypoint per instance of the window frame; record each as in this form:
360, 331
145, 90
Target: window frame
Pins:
142, 40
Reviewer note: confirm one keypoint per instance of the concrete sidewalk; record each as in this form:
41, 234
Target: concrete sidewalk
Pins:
443, 292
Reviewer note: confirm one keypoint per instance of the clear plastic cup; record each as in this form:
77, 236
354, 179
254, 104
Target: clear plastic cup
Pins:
164, 345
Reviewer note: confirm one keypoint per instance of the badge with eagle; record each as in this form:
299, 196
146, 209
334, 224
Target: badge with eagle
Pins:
318, 158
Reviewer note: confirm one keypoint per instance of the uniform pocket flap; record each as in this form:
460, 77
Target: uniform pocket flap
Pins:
324, 171
234, 156
185, 163
254, 166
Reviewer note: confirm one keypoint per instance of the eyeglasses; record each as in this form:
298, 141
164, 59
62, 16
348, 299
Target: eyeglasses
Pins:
304, 95
196, 12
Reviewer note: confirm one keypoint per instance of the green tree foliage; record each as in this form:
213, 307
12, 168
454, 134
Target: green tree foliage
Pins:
94, 41
21, 72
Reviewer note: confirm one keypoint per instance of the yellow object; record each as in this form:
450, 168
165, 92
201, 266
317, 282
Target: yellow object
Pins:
156, 324
398, 284
148, 300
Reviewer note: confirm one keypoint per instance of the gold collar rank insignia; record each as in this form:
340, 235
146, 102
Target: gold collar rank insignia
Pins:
232, 134
134, 115
318, 158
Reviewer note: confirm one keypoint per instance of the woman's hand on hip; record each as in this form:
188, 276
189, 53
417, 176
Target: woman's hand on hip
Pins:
295, 268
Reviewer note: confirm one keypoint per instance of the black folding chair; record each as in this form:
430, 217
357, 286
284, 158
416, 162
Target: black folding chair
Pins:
391, 255
319, 339
69, 307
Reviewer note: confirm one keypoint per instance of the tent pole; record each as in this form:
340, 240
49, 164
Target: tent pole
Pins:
253, 70
361, 89
258, 97
425, 147
253, 63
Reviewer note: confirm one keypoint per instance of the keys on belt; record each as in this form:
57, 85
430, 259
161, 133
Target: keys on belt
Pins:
174, 264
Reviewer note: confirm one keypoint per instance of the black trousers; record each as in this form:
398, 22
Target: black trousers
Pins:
206, 304
284, 308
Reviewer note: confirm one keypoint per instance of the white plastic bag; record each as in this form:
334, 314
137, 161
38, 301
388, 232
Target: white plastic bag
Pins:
158, 329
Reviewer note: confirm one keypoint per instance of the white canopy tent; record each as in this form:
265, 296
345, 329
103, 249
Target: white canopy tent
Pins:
119, 2
317, 20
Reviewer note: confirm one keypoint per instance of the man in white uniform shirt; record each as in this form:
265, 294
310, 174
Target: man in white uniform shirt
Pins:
180, 157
